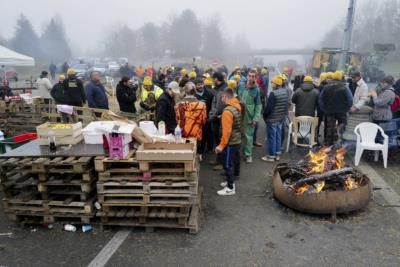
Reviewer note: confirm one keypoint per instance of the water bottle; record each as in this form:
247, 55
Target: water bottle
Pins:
178, 134
69, 228
161, 128
52, 141
86, 228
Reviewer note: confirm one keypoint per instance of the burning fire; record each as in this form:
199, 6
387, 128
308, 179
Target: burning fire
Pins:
318, 161
340, 154
302, 189
350, 183
319, 186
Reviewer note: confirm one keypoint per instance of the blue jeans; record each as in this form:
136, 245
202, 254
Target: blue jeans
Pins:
231, 156
273, 140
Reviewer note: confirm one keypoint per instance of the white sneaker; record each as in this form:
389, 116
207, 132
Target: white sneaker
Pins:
225, 184
226, 192
249, 159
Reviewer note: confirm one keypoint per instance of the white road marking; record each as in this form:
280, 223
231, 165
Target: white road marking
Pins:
388, 193
109, 249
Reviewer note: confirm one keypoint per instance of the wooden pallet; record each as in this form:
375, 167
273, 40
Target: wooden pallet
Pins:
192, 222
71, 184
27, 218
13, 205
69, 205
102, 163
62, 164
106, 188
25, 183
152, 166
126, 199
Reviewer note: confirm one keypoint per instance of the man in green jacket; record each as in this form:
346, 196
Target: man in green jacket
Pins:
249, 94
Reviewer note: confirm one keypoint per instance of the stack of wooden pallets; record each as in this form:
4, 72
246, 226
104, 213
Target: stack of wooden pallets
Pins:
156, 187
48, 189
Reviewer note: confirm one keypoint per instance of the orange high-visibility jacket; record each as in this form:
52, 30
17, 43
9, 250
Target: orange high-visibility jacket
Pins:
191, 115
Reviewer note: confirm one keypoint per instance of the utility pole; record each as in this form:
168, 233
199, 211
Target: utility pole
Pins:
347, 35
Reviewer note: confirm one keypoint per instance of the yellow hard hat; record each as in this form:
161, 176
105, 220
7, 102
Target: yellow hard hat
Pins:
184, 72
308, 79
236, 68
278, 80
232, 84
208, 81
192, 74
264, 71
322, 76
283, 76
285, 69
206, 75
329, 75
70, 72
236, 77
338, 75
147, 81
61, 77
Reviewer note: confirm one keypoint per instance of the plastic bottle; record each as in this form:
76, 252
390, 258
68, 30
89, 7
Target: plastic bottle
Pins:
161, 128
178, 134
1, 135
52, 141
86, 228
69, 228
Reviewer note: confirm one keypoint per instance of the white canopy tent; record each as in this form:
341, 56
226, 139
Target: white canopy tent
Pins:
9, 57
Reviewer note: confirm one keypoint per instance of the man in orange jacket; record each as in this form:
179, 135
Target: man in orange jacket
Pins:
231, 138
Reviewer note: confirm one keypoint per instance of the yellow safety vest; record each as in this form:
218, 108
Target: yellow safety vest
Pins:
157, 91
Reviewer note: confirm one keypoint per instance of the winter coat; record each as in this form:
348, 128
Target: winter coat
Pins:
277, 106
126, 97
382, 102
74, 92
306, 100
165, 111
217, 105
231, 121
43, 87
5, 91
207, 97
96, 95
191, 115
335, 98
58, 93
360, 98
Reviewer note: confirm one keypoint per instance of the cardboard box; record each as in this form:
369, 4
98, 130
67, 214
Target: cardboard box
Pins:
168, 151
65, 134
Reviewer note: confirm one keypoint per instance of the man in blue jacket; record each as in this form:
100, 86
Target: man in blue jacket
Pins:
96, 93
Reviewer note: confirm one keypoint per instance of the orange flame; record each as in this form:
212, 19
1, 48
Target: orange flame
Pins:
319, 186
340, 154
350, 184
302, 189
318, 161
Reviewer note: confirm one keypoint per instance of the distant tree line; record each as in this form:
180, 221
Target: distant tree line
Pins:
51, 45
183, 36
374, 22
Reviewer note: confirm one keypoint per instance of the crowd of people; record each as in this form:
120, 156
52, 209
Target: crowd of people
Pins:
223, 110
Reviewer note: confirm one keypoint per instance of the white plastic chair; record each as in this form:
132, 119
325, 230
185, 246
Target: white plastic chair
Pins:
302, 127
366, 133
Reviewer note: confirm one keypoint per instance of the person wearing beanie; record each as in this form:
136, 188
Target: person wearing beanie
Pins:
306, 98
335, 100
126, 95
383, 100
249, 94
165, 107
274, 116
58, 92
44, 85
149, 94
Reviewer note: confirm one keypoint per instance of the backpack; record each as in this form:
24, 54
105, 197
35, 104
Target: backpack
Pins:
395, 106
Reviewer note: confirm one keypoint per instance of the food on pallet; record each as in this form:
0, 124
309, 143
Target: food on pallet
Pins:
64, 134
57, 126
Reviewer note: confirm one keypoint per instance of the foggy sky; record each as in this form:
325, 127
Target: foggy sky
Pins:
266, 23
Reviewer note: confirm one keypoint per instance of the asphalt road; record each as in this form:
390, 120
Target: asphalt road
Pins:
248, 229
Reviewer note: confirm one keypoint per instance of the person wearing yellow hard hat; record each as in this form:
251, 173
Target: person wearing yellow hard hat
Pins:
250, 95
192, 76
184, 72
74, 91
335, 100
274, 115
149, 94
232, 84
306, 98
235, 71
